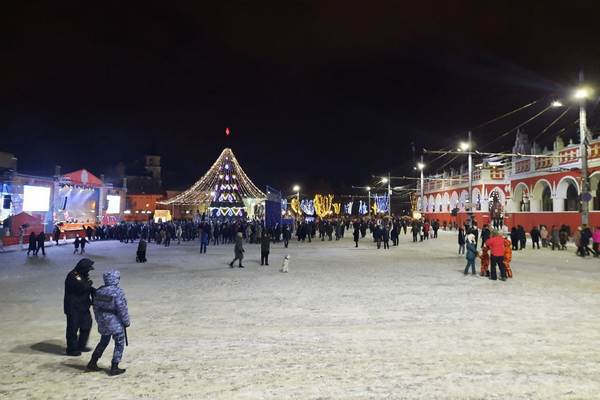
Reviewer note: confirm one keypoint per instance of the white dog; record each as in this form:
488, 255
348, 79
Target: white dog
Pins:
286, 263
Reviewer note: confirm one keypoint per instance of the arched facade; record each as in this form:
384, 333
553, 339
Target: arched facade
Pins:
445, 202
520, 198
453, 201
541, 196
566, 197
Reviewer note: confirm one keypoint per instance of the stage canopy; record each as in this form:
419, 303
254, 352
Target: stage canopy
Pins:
225, 189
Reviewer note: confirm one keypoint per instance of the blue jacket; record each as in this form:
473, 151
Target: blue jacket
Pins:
110, 306
204, 239
471, 251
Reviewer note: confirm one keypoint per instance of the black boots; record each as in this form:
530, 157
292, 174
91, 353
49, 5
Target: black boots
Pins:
92, 365
115, 370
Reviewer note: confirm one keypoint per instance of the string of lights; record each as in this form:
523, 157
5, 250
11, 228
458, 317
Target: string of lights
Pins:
225, 181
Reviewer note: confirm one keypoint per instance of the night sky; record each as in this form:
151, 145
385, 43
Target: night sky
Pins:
320, 93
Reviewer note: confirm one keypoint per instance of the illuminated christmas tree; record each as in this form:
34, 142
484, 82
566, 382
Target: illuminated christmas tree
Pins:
225, 189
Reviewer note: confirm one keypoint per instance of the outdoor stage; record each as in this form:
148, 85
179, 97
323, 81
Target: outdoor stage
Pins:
344, 323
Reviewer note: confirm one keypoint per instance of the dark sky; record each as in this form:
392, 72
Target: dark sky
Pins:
320, 93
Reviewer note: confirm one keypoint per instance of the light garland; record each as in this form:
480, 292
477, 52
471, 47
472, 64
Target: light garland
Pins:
323, 204
337, 207
348, 207
380, 204
295, 204
225, 175
308, 207
362, 208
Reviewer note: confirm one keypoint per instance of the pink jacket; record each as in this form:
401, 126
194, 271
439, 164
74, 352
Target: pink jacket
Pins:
596, 236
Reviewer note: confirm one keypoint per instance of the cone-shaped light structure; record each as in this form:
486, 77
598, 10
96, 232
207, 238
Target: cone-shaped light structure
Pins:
224, 188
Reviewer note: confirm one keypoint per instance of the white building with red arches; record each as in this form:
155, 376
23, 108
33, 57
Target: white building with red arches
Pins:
527, 191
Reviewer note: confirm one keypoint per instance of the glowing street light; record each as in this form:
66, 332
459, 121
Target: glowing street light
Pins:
464, 146
556, 104
296, 189
420, 166
582, 93
384, 180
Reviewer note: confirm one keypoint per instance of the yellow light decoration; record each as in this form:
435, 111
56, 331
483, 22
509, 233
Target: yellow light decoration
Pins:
323, 204
337, 207
295, 204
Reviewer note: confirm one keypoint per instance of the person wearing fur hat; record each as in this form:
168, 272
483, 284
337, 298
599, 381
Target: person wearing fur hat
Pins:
471, 254
112, 316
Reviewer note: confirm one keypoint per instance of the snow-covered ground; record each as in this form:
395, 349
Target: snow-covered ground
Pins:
345, 323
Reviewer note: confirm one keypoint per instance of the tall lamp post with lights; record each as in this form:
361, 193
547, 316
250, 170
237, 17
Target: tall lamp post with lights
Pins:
468, 148
388, 180
421, 167
369, 193
581, 95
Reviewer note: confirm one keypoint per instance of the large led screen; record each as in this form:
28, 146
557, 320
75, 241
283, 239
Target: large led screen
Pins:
36, 198
114, 204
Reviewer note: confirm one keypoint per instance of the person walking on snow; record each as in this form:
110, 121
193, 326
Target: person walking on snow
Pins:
461, 241
76, 306
471, 254
238, 250
112, 317
265, 248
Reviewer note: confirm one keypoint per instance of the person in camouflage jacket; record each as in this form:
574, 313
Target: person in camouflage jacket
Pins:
112, 317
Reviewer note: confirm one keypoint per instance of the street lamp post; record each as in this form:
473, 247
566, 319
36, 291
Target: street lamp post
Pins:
369, 204
470, 213
468, 147
388, 180
581, 94
296, 189
389, 194
421, 167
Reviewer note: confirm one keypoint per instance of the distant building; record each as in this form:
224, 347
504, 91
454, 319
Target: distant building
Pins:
519, 190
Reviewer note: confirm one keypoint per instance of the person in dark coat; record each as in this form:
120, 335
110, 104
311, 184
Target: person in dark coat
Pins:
204, 239
82, 241
56, 234
287, 235
514, 238
461, 241
32, 244
76, 244
356, 236
535, 237
386, 237
77, 301
141, 251
522, 237
265, 248
112, 317
485, 234
41, 241
238, 250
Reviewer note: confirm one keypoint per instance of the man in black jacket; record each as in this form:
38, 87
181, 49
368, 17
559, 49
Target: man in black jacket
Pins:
77, 302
